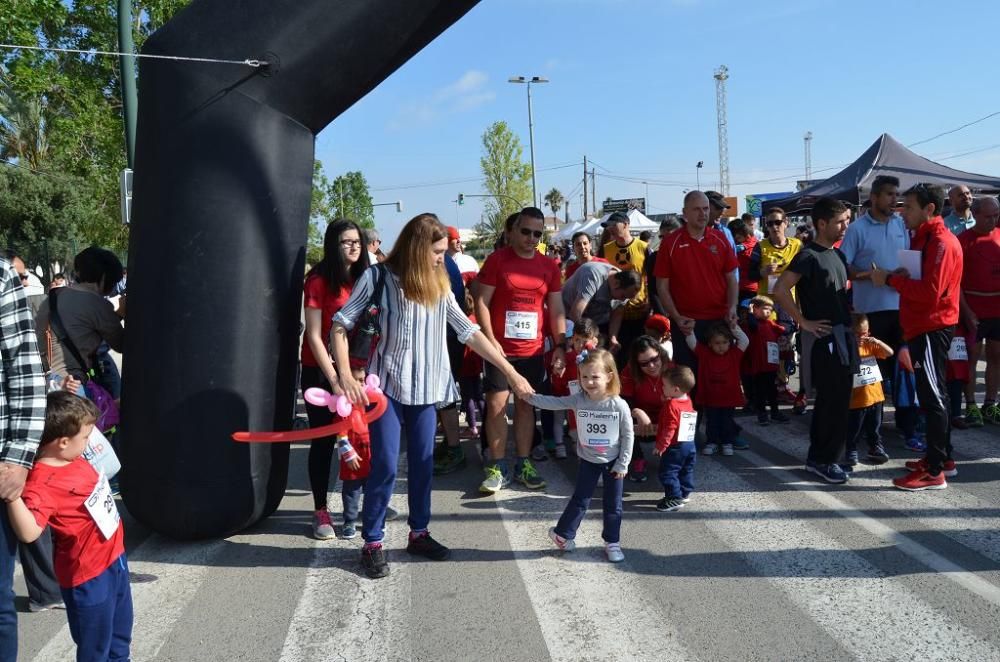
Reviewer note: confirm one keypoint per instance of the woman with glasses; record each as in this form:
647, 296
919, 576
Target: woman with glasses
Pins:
642, 389
411, 361
327, 288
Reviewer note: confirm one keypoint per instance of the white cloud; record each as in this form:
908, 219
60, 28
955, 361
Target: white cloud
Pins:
467, 93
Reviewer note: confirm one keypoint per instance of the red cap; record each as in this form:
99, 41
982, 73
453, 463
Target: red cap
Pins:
453, 233
658, 323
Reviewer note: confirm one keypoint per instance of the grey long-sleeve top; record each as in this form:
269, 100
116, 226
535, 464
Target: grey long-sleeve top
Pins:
603, 427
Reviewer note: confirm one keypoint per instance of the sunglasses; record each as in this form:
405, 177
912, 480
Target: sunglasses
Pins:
348, 243
537, 234
773, 224
647, 363
23, 276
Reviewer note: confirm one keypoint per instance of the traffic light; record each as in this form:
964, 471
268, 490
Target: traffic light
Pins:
461, 199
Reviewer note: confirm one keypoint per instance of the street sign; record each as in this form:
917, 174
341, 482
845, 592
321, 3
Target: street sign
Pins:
611, 206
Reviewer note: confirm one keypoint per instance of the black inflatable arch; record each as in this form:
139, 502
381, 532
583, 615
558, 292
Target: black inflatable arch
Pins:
223, 176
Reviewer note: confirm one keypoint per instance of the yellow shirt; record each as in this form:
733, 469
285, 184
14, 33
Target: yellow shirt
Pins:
631, 258
780, 257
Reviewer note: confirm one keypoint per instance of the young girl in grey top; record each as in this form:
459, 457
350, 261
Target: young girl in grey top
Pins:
604, 446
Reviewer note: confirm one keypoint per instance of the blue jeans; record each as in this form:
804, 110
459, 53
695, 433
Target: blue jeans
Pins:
420, 422
351, 496
720, 428
8, 615
586, 482
677, 470
99, 612
865, 423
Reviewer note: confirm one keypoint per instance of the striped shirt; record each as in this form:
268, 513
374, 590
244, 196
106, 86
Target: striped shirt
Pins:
410, 358
22, 382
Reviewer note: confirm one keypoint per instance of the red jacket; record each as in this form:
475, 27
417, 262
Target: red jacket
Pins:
931, 303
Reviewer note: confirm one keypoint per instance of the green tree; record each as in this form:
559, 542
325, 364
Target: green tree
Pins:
82, 126
319, 214
554, 201
507, 178
348, 196
23, 131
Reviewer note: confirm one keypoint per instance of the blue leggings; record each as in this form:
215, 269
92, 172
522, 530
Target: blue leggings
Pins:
420, 423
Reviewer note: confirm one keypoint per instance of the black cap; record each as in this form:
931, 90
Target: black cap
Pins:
717, 199
616, 217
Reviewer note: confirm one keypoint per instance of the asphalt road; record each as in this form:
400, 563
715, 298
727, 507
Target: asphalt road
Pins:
765, 563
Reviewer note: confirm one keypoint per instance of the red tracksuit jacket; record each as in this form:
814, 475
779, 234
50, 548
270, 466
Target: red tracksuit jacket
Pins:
932, 302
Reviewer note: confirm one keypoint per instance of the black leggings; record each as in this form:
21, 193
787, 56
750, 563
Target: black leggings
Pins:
320, 450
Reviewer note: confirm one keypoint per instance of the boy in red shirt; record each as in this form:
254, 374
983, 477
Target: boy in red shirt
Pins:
719, 390
355, 451
745, 243
764, 358
675, 432
63, 491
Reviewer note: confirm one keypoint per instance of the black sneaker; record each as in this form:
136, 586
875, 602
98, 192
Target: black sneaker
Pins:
429, 548
669, 504
451, 459
762, 419
375, 561
779, 417
877, 454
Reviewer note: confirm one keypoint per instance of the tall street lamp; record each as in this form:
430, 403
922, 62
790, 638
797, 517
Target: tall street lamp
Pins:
697, 173
531, 130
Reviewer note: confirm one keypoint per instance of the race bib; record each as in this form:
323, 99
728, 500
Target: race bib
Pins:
102, 508
574, 387
597, 429
520, 325
958, 350
688, 426
868, 373
772, 353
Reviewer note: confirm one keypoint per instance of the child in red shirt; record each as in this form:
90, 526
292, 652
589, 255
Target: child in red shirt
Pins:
470, 380
64, 492
585, 337
658, 326
764, 358
719, 390
675, 439
355, 453
957, 373
745, 243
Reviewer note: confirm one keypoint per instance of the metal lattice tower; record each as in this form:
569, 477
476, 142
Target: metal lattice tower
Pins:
721, 74
807, 139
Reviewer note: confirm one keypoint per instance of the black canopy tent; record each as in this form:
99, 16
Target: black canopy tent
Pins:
886, 156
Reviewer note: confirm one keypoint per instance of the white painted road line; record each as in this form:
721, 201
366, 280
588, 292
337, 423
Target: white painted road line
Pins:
586, 607
840, 591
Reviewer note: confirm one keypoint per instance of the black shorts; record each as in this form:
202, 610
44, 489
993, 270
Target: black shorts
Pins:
531, 368
988, 329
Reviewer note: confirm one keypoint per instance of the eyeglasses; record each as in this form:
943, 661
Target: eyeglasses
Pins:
773, 224
537, 234
349, 243
649, 362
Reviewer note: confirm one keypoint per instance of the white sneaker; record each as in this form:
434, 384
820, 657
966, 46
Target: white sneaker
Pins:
565, 544
727, 449
614, 552
711, 449
560, 451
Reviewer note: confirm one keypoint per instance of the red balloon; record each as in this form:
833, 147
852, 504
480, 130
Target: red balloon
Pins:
357, 421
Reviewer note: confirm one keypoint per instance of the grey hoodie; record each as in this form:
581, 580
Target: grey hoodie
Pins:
596, 424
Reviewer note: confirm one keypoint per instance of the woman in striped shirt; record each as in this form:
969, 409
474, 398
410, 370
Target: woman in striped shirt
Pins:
411, 361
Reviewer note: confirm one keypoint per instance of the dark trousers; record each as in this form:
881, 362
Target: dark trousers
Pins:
587, 476
39, 574
833, 382
8, 615
420, 422
320, 450
956, 391
884, 325
864, 422
99, 612
637, 452
720, 427
677, 470
929, 352
472, 399
351, 495
765, 392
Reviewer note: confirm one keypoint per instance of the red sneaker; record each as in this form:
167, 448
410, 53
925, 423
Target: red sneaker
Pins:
948, 469
919, 480
799, 406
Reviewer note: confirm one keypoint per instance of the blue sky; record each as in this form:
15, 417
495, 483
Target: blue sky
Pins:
632, 88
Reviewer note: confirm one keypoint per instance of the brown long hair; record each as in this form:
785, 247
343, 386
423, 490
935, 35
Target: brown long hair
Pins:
409, 259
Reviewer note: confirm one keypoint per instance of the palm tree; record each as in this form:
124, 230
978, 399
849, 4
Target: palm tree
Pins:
22, 127
554, 200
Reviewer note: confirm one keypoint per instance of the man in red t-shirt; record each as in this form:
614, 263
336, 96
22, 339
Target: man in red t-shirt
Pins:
981, 299
515, 286
696, 276
583, 250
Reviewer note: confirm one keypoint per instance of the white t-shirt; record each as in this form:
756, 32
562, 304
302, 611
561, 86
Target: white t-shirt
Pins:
466, 263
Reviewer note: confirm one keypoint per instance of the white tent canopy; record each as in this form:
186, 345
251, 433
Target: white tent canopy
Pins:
637, 222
